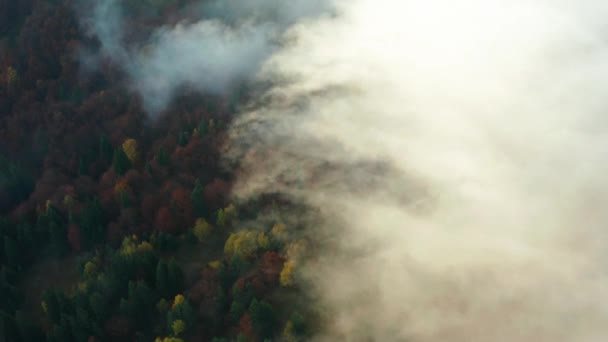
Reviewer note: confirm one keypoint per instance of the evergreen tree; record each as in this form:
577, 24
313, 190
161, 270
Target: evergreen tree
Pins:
11, 252
263, 318
182, 139
162, 157
175, 276
162, 279
120, 162
197, 199
105, 148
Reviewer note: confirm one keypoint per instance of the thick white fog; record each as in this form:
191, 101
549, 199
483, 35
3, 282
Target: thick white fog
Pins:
458, 150
489, 222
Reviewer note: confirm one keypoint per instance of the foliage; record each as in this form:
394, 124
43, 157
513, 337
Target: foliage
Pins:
130, 149
201, 229
224, 216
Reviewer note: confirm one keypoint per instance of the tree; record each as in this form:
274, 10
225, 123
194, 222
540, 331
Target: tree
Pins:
197, 199
224, 216
201, 229
181, 310
263, 318
286, 276
120, 162
175, 276
11, 252
294, 328
182, 139
92, 223
162, 157
178, 327
105, 148
129, 146
162, 279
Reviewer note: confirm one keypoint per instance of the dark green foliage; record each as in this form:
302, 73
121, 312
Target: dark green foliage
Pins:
16, 184
263, 318
55, 225
82, 166
203, 128
229, 273
241, 298
162, 157
175, 276
139, 305
28, 331
162, 279
164, 242
299, 323
105, 148
11, 296
125, 201
197, 199
120, 161
92, 223
11, 253
184, 312
182, 139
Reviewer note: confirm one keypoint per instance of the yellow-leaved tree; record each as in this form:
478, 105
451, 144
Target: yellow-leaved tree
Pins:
129, 146
201, 229
178, 327
245, 242
286, 276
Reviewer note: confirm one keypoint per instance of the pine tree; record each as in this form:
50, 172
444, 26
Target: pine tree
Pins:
11, 252
120, 162
175, 276
162, 279
162, 157
182, 139
105, 148
263, 318
197, 199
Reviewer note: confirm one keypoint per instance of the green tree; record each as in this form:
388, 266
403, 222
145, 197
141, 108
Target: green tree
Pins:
11, 252
197, 199
120, 161
105, 148
162, 279
162, 157
175, 276
224, 216
182, 139
178, 327
263, 318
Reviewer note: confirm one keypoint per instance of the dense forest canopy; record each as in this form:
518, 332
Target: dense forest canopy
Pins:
325, 170
117, 222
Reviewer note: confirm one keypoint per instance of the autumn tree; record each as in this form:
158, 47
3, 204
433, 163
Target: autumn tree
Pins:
131, 150
181, 310
225, 215
201, 229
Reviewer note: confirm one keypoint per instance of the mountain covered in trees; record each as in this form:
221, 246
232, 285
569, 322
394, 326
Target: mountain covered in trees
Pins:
115, 226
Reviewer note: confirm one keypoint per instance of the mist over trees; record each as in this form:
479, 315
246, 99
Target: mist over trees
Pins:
326, 170
116, 220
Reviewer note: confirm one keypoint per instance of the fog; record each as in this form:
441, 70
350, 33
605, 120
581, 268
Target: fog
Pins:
218, 46
457, 149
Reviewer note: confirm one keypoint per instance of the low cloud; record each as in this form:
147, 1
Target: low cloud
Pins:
456, 150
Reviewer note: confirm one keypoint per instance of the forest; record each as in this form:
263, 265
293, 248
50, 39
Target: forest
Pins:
118, 226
